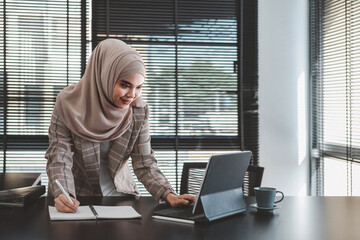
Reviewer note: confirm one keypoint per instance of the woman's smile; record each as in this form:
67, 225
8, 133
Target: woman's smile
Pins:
127, 102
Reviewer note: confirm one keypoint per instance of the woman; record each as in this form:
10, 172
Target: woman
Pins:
96, 125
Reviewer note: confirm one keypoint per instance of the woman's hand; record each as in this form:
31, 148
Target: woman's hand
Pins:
177, 200
62, 204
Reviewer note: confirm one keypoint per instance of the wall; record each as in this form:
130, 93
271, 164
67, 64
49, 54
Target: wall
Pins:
283, 94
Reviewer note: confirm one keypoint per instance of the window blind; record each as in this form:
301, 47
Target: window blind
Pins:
335, 74
44, 50
201, 86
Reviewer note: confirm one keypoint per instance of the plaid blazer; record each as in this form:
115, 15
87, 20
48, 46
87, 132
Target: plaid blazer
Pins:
76, 161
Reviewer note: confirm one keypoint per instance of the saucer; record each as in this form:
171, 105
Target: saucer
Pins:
262, 209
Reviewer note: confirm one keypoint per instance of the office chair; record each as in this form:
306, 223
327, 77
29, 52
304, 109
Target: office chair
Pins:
193, 173
253, 178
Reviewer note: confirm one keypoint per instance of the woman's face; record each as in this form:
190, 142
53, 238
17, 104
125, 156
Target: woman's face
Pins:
127, 90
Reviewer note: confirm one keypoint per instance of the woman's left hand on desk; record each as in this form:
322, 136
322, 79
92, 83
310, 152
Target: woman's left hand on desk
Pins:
177, 200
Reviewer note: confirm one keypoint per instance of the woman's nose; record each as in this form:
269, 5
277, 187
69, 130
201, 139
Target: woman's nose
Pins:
131, 93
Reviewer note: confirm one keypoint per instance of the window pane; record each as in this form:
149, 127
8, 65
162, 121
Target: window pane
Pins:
159, 87
207, 99
42, 55
43, 52
335, 177
336, 95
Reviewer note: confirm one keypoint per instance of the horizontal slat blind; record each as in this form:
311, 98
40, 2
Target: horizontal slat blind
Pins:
336, 99
159, 86
191, 82
206, 87
42, 55
2, 82
248, 87
189, 48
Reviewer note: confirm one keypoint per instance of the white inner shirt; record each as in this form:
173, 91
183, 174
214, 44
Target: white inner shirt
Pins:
106, 183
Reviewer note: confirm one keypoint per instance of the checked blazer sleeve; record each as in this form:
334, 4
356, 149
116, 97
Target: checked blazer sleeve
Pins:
59, 157
145, 165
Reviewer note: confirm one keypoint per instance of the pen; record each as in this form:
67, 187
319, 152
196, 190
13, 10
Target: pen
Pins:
64, 192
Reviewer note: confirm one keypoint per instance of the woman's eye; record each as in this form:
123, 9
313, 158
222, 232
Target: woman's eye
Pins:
139, 87
124, 85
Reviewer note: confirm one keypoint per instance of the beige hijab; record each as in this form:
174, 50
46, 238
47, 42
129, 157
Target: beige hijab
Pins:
86, 107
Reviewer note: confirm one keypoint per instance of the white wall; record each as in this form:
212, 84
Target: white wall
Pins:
283, 94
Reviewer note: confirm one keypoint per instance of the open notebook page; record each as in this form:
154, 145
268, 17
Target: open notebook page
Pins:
104, 212
83, 213
116, 212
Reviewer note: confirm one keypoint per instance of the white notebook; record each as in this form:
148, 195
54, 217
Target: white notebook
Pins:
95, 212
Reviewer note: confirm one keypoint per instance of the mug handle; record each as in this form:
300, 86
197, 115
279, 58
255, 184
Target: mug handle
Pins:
282, 197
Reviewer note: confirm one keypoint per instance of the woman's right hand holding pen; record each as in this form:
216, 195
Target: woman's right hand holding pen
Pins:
65, 203
62, 204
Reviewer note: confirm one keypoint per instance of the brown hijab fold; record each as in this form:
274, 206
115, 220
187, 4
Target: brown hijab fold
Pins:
86, 107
